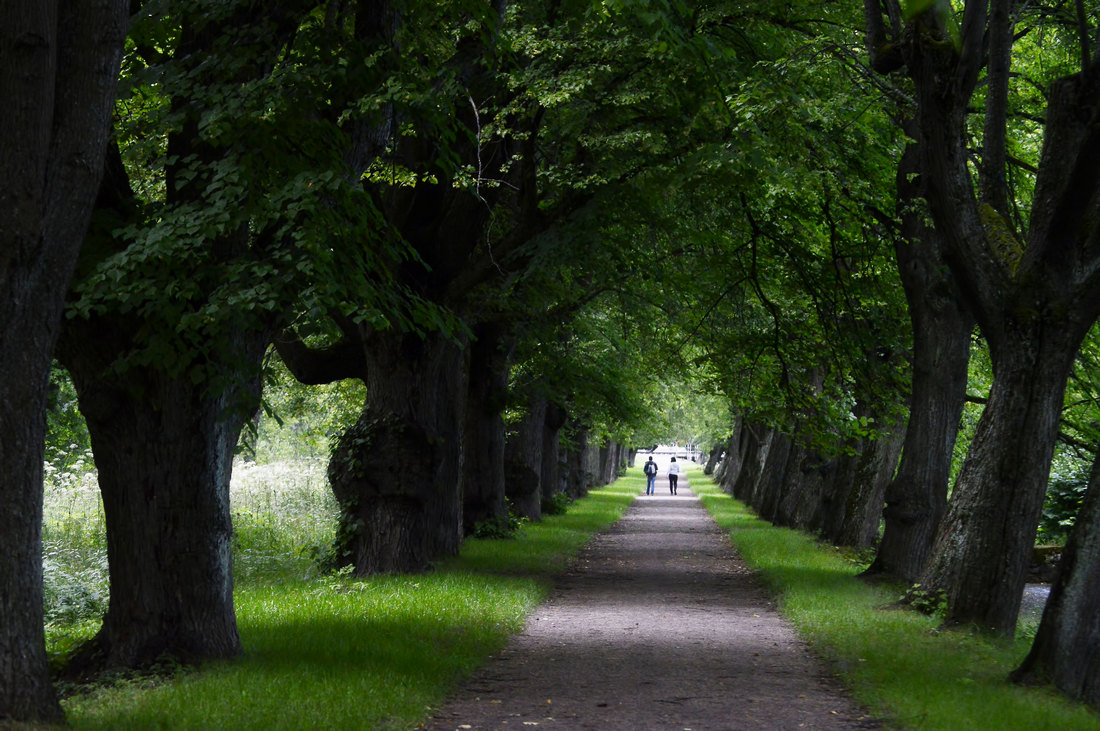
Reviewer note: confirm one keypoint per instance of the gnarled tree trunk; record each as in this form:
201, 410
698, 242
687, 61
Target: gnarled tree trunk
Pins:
397, 472
165, 461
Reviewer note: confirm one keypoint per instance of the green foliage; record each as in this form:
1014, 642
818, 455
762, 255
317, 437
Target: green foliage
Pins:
556, 504
927, 602
68, 445
499, 527
1064, 496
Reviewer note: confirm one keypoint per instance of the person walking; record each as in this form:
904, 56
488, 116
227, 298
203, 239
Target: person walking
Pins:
673, 473
650, 469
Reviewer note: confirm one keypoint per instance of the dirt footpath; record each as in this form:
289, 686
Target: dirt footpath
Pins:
658, 626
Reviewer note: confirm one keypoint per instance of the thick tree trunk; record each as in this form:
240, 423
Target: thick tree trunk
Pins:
769, 485
713, 456
484, 497
550, 473
984, 544
573, 457
523, 461
859, 502
917, 496
755, 444
58, 76
165, 461
733, 456
1064, 651
397, 472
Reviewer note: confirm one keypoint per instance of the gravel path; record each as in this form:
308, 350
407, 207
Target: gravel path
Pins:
658, 626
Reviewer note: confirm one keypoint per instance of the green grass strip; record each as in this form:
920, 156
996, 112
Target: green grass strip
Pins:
895, 661
336, 653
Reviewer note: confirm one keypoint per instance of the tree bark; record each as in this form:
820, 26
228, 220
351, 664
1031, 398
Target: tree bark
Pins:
755, 444
713, 456
858, 523
984, 544
59, 67
165, 461
523, 461
397, 473
550, 477
483, 477
769, 485
1064, 650
916, 498
576, 478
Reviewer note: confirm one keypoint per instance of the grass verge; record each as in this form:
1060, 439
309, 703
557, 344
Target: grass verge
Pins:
895, 661
334, 652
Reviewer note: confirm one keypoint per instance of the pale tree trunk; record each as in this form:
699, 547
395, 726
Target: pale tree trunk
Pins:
397, 473
59, 67
1064, 650
165, 462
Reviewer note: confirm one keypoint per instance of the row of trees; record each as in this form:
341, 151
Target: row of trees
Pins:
512, 221
996, 196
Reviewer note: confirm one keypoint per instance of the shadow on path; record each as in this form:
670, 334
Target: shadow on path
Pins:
659, 625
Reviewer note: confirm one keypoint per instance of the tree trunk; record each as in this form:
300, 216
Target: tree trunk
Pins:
858, 523
773, 473
712, 459
755, 444
984, 544
484, 497
397, 472
576, 477
59, 67
165, 459
550, 477
523, 461
916, 498
1064, 650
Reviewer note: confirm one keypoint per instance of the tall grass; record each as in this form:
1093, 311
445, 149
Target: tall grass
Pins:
335, 652
896, 661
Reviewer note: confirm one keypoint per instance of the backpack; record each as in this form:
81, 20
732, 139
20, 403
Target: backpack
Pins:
650, 468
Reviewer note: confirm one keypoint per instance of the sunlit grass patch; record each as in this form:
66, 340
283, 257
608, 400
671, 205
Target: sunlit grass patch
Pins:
895, 660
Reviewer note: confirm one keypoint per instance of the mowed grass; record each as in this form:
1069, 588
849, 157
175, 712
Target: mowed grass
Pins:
331, 652
896, 662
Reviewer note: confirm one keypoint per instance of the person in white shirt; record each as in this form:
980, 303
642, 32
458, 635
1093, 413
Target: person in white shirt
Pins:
673, 473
